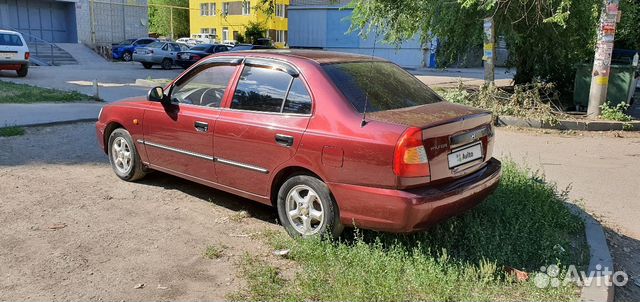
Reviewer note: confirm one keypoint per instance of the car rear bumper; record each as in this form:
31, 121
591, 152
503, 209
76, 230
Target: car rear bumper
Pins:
184, 63
411, 210
12, 64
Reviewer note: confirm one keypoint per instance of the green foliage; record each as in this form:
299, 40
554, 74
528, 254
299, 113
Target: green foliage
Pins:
526, 101
546, 38
240, 38
615, 113
22, 93
214, 252
160, 18
524, 224
254, 31
628, 32
11, 131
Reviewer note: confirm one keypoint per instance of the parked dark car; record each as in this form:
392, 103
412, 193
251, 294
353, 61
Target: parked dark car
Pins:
239, 47
289, 129
124, 50
194, 54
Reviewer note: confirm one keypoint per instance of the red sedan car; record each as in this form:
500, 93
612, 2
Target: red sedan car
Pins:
329, 139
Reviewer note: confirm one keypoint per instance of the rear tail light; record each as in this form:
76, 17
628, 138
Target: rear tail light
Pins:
410, 157
27, 55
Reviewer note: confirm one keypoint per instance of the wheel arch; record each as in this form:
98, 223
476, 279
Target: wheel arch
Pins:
284, 174
111, 126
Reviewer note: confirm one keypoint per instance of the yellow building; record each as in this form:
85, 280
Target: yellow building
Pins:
225, 19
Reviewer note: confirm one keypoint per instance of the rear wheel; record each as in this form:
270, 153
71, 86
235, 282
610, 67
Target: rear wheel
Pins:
167, 64
22, 72
124, 157
306, 208
147, 65
126, 56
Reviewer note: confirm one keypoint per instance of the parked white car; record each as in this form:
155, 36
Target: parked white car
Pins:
14, 52
187, 41
204, 38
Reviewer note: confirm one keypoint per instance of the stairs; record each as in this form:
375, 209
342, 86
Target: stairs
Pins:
43, 53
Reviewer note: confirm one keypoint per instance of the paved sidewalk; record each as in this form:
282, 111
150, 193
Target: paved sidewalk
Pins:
47, 113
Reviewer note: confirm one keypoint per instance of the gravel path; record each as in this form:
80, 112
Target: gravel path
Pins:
71, 230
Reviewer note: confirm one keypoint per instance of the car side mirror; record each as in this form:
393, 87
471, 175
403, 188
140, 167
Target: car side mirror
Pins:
156, 94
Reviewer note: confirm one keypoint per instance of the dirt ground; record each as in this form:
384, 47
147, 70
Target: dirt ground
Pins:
71, 230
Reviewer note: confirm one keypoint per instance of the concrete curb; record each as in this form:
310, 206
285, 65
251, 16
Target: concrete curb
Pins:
568, 124
58, 123
600, 260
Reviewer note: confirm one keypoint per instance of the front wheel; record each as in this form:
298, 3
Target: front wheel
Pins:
306, 208
127, 56
22, 72
124, 157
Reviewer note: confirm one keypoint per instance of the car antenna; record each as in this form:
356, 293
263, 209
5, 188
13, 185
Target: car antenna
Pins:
366, 96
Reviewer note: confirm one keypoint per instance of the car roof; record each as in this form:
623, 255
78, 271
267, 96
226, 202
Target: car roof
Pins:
318, 56
4, 31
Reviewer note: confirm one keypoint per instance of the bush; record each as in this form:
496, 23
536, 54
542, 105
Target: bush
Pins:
615, 113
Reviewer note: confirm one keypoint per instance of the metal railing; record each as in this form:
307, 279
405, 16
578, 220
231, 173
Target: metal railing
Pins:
39, 41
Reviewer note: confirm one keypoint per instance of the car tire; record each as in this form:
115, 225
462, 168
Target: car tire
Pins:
147, 65
127, 56
305, 216
23, 71
167, 64
124, 157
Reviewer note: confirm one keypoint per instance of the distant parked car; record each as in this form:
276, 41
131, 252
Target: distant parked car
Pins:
239, 47
204, 38
187, 58
14, 53
188, 41
124, 50
163, 53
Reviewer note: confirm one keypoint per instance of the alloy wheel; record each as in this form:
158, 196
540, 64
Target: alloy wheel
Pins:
122, 155
304, 210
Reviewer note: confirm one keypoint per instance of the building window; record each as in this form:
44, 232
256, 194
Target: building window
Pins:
246, 8
214, 33
280, 36
225, 8
225, 34
204, 9
280, 10
204, 30
212, 9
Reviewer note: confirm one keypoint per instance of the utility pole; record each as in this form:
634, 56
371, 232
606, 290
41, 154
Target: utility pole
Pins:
171, 22
609, 18
489, 51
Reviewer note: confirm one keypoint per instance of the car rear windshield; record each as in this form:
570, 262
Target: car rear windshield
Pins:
10, 40
200, 47
381, 85
127, 42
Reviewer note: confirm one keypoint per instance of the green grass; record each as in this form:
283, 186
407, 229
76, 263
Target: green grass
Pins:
11, 131
22, 93
213, 252
523, 225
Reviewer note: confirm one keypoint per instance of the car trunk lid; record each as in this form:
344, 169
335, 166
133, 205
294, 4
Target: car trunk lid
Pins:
458, 139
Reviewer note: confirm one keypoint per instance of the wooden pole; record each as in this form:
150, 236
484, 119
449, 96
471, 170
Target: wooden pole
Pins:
489, 52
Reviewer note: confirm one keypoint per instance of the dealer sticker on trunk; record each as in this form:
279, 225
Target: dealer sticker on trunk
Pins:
465, 155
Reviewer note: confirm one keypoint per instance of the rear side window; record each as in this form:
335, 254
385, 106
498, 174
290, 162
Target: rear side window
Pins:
10, 40
298, 99
261, 89
381, 85
271, 90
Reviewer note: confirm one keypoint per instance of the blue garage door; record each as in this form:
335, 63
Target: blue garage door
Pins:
52, 21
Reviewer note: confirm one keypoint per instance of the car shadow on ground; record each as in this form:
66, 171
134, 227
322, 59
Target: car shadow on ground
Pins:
626, 257
207, 194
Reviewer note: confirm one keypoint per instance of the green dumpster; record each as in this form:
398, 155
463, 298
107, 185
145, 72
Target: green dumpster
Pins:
622, 84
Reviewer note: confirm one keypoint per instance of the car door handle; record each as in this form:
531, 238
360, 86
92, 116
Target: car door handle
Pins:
284, 140
201, 126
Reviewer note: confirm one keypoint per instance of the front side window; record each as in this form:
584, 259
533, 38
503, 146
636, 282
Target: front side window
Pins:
206, 88
381, 85
10, 40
